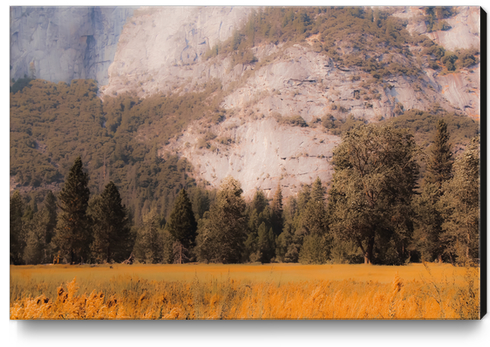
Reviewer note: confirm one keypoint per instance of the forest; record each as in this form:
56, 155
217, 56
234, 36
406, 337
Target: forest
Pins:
374, 213
404, 189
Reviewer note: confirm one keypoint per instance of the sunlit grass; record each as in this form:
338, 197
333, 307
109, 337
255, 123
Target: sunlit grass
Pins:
276, 291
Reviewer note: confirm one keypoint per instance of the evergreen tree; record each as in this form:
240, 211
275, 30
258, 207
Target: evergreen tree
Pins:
148, 246
50, 206
372, 188
460, 206
182, 225
428, 223
111, 231
35, 250
222, 233
258, 242
17, 237
429, 220
440, 160
73, 236
313, 250
259, 201
265, 243
313, 227
277, 217
318, 191
201, 200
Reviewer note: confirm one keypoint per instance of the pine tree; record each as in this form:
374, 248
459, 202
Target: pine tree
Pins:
50, 206
440, 160
429, 220
148, 246
111, 231
265, 243
277, 212
318, 191
35, 250
259, 202
73, 236
460, 206
313, 250
222, 233
17, 237
182, 225
313, 227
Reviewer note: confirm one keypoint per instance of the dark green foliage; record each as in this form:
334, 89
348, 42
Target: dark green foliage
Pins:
182, 224
295, 121
312, 225
314, 250
150, 244
52, 209
341, 125
277, 212
439, 161
265, 244
51, 121
111, 229
460, 207
317, 191
17, 237
260, 241
372, 187
304, 217
423, 125
434, 16
467, 58
202, 200
222, 231
73, 235
428, 223
449, 60
37, 249
20, 84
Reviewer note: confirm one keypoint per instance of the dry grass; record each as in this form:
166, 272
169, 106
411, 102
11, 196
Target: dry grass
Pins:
245, 292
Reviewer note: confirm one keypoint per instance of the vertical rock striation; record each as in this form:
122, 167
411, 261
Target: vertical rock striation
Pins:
64, 43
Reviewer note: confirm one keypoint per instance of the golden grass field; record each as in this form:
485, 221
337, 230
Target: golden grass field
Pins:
273, 291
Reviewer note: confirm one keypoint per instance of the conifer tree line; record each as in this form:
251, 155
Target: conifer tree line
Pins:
377, 210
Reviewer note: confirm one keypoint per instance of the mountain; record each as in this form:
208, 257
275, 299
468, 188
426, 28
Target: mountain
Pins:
262, 94
64, 43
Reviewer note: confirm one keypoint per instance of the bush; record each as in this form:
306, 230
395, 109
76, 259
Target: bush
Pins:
295, 121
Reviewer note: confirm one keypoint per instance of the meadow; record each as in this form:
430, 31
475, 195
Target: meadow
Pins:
272, 291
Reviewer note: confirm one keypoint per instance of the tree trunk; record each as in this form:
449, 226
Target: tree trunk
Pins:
368, 254
180, 253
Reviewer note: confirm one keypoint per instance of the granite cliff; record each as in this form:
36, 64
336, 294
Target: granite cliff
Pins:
64, 43
148, 51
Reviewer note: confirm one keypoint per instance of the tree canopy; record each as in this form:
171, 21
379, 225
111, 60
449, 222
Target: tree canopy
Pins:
373, 184
73, 235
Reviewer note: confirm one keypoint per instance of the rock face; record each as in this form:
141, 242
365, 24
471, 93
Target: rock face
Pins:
261, 155
464, 32
158, 45
161, 50
64, 43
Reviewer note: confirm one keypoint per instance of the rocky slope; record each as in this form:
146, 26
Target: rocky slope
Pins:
161, 50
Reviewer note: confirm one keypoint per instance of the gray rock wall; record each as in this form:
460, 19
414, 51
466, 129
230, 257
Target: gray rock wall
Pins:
64, 43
